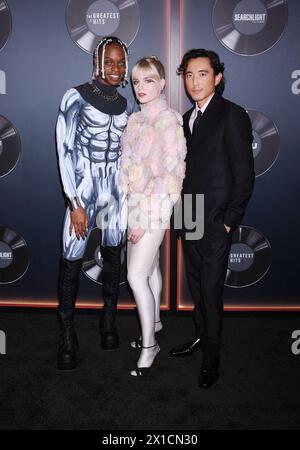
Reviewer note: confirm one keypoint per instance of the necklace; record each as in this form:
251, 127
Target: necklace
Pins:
109, 98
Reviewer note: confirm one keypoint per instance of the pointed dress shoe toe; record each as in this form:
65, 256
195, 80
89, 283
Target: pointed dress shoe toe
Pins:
188, 348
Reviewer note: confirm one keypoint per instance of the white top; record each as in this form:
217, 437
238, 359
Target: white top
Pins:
195, 112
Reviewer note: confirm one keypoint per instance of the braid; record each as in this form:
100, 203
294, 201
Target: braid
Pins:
102, 59
103, 43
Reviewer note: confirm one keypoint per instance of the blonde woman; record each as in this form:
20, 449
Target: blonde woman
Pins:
152, 171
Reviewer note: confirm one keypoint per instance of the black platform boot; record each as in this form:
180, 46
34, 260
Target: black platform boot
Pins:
67, 294
110, 280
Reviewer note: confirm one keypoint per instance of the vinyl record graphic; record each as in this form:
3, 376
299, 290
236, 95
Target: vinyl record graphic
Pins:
249, 258
93, 262
266, 142
10, 146
5, 23
14, 260
89, 21
249, 27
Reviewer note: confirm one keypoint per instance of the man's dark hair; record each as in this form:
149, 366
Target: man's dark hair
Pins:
216, 64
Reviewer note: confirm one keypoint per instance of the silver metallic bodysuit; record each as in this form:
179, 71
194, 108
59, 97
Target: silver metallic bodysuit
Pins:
88, 146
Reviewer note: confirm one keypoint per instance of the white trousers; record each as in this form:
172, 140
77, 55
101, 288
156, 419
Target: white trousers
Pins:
145, 280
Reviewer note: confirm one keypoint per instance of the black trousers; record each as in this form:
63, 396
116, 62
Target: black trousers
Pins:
206, 262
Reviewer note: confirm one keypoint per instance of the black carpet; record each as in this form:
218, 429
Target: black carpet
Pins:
258, 387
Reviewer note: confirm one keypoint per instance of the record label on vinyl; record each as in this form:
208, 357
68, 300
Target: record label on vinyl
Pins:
266, 142
6, 255
249, 23
89, 21
93, 260
256, 146
103, 18
10, 146
14, 260
5, 23
249, 27
241, 257
249, 258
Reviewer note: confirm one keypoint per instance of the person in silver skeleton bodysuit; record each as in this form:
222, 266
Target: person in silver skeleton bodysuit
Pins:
88, 143
90, 122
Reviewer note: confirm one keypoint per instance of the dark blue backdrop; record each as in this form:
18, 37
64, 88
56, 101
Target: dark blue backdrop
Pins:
41, 62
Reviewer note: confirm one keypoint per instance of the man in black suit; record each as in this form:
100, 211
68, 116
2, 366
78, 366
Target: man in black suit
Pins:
219, 164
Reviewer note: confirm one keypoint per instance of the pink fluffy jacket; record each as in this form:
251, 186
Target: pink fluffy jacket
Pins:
152, 163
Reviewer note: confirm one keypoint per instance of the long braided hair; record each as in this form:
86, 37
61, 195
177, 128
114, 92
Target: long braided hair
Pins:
98, 68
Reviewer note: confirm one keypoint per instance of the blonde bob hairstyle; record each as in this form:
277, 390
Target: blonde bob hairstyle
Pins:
152, 65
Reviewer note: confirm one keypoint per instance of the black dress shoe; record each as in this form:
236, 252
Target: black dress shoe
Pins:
209, 373
188, 348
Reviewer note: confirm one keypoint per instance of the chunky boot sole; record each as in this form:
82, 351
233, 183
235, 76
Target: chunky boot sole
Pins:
67, 362
110, 341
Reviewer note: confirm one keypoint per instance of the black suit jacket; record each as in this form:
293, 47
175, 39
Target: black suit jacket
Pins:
219, 162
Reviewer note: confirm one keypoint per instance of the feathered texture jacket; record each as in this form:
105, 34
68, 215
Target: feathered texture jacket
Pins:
152, 164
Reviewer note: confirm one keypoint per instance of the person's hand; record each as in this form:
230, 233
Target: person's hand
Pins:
80, 223
227, 228
135, 235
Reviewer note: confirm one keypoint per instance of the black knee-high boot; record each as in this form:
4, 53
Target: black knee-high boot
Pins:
67, 294
110, 280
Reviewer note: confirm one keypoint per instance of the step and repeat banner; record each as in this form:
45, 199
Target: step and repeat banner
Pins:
46, 47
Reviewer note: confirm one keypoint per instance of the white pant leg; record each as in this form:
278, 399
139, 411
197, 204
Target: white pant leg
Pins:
142, 262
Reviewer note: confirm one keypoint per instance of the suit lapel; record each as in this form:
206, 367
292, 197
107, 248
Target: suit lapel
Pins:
186, 126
